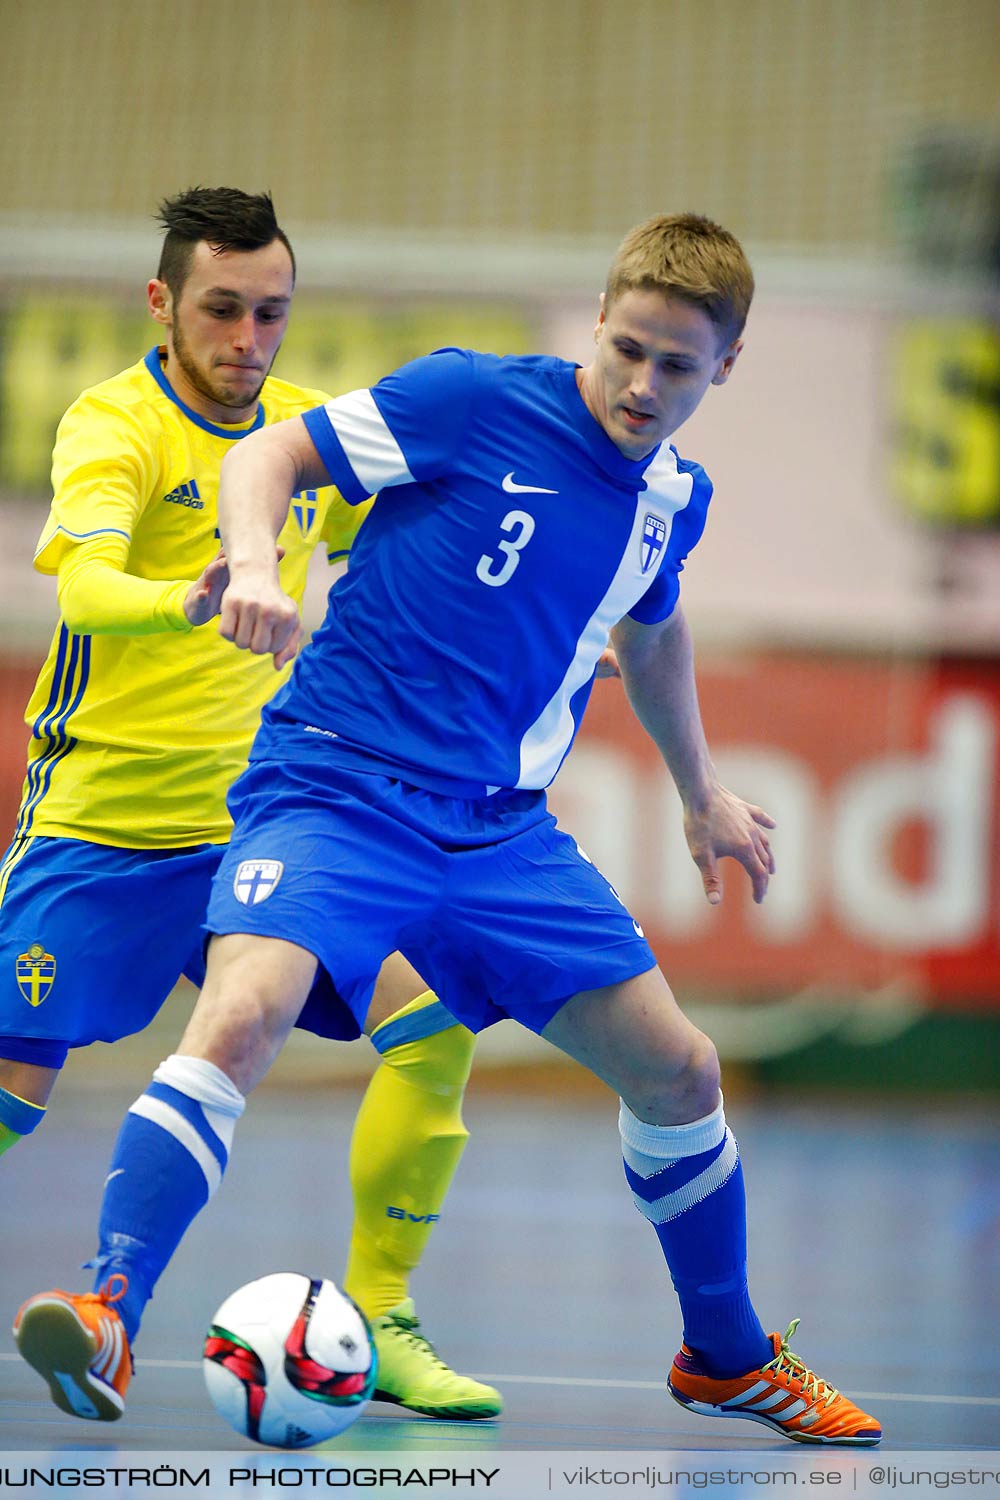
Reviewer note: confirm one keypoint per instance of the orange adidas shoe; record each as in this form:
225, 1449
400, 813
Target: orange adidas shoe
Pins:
782, 1394
78, 1344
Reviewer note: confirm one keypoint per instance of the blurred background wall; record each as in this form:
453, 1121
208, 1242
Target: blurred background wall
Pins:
482, 117
460, 171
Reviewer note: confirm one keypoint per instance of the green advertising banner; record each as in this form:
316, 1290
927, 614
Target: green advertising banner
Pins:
54, 344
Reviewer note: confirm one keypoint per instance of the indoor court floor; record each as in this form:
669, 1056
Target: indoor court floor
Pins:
879, 1226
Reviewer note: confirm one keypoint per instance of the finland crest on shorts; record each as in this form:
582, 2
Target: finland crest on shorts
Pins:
255, 880
654, 534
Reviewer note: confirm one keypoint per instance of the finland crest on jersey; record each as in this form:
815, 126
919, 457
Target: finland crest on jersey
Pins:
654, 534
255, 879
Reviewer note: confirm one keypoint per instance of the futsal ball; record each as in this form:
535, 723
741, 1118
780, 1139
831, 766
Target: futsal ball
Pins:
289, 1361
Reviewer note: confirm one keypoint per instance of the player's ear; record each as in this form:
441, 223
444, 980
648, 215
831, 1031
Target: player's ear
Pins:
159, 301
730, 357
600, 318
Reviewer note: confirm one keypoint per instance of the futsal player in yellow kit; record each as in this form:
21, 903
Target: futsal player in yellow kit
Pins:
142, 717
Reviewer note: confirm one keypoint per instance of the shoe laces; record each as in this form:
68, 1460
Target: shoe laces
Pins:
402, 1327
787, 1363
109, 1292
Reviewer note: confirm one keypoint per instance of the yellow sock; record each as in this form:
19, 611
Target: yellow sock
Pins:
8, 1138
408, 1138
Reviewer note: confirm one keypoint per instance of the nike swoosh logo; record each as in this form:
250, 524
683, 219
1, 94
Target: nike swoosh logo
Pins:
116, 1173
509, 484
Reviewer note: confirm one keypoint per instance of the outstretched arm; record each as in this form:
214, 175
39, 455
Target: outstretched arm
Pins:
259, 477
98, 596
104, 469
657, 667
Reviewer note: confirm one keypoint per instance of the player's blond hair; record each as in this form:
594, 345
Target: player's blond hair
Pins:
686, 256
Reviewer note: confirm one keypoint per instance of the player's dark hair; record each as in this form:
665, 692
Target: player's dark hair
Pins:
686, 256
226, 218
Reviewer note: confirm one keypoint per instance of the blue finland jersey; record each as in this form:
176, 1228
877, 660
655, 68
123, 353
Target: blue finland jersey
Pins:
509, 536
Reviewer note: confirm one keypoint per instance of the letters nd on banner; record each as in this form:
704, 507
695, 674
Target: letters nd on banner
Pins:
883, 777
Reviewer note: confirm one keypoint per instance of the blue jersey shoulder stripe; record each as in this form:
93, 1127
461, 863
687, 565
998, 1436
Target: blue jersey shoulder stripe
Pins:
335, 460
427, 408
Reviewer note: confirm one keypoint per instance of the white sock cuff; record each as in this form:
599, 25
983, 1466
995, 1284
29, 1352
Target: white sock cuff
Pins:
203, 1081
667, 1143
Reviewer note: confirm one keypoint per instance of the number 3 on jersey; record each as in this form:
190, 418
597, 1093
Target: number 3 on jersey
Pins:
497, 572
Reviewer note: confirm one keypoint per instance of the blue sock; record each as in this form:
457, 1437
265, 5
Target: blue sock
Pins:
168, 1160
688, 1182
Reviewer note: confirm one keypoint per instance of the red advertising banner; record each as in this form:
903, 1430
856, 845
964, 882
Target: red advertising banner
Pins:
17, 678
883, 777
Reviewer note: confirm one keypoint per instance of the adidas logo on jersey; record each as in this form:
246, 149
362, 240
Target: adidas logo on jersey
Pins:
186, 494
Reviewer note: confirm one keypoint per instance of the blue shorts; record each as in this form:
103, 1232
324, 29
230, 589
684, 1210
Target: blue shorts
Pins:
498, 910
93, 939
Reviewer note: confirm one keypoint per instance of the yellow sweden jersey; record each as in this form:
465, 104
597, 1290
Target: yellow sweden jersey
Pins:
137, 738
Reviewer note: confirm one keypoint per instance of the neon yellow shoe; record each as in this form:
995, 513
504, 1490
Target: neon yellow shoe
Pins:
411, 1374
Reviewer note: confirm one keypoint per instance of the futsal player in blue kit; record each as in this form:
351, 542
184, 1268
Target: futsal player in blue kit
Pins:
527, 511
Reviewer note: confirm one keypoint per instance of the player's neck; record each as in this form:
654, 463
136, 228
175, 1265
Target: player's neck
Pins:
585, 385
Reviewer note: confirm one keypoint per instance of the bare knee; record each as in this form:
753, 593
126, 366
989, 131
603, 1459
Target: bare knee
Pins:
636, 1038
254, 990
676, 1085
236, 1034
